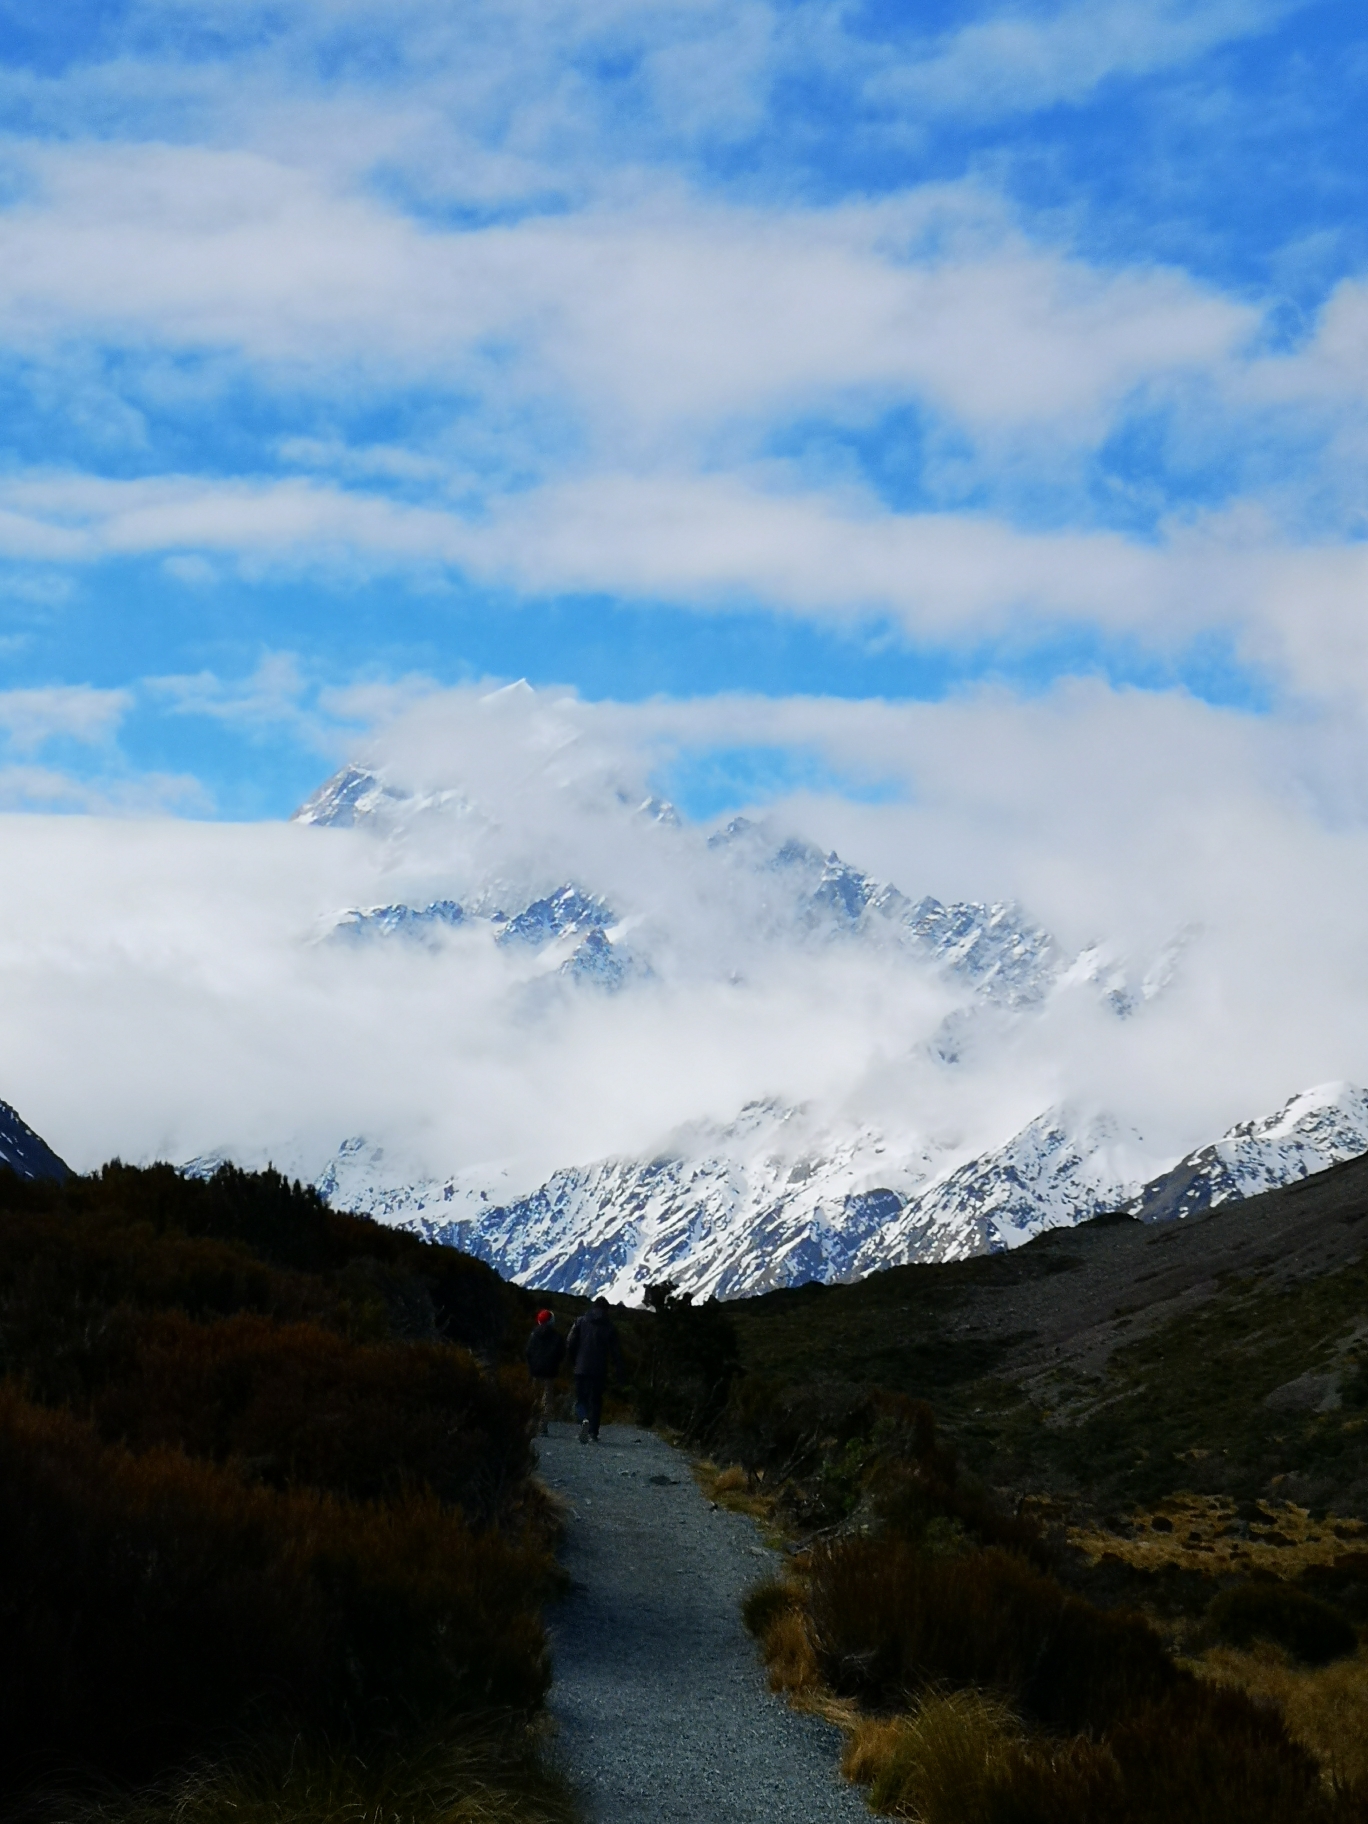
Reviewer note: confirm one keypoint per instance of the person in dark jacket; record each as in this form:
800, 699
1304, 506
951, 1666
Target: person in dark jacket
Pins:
545, 1353
591, 1347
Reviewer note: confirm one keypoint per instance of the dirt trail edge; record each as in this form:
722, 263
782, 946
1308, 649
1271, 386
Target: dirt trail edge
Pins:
660, 1698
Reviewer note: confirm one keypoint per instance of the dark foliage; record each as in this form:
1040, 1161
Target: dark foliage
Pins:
889, 1619
247, 1476
686, 1362
1265, 1609
239, 1241
1208, 1755
150, 1603
296, 1403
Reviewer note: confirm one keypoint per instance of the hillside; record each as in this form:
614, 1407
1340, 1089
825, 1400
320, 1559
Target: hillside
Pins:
1121, 1360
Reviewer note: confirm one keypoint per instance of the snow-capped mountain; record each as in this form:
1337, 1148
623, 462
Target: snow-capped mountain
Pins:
800, 893
765, 1200
550, 901
23, 1152
1318, 1128
768, 1200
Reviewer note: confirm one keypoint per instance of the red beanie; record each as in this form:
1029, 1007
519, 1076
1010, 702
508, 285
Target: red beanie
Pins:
546, 1317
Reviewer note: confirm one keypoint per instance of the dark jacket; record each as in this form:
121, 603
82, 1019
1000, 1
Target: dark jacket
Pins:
592, 1344
545, 1352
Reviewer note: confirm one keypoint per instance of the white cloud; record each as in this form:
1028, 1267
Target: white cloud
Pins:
1020, 58
164, 993
32, 789
76, 712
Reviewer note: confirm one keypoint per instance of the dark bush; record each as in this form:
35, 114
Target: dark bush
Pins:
685, 1363
149, 1604
239, 1241
295, 1403
1263, 1609
791, 1430
889, 1619
1209, 1755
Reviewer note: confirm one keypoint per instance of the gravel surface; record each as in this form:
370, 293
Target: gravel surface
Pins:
659, 1693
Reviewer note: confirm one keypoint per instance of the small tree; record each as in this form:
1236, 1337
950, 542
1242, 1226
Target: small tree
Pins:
690, 1361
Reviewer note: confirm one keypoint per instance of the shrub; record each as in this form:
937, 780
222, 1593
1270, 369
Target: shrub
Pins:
684, 1371
1263, 1609
1208, 1755
239, 1241
889, 1619
295, 1403
962, 1758
482, 1771
150, 1603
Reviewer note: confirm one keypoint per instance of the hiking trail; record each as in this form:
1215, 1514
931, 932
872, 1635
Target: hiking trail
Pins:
661, 1700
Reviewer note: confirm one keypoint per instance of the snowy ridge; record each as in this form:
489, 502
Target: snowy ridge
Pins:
1320, 1127
780, 1194
23, 1152
768, 1200
764, 1201
806, 895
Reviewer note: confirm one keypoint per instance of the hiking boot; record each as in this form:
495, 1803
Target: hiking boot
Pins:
584, 1432
593, 1437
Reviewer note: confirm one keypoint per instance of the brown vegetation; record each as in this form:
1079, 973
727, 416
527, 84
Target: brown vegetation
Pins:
264, 1476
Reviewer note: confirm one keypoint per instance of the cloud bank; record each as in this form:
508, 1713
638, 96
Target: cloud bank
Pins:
169, 989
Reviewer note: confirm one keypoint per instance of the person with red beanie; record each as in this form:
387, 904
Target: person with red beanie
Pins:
545, 1353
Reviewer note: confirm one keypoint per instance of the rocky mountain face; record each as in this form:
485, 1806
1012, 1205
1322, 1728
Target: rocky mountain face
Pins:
23, 1152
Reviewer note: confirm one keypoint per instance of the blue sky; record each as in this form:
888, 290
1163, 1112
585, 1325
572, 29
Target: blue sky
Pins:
650, 349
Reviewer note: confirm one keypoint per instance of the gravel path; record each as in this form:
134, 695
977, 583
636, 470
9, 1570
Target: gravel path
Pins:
659, 1694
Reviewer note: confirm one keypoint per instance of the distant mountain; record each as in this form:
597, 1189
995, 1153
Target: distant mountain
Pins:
768, 1200
24, 1152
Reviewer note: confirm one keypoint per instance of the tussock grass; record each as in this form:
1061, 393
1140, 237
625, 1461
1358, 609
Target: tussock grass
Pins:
889, 1619
484, 1771
1207, 1533
1325, 1707
739, 1490
776, 1613
961, 1757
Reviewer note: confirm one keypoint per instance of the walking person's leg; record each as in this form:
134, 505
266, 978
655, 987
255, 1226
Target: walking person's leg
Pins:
584, 1393
595, 1404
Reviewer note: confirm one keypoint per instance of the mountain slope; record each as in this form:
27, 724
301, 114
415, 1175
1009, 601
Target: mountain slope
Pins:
24, 1152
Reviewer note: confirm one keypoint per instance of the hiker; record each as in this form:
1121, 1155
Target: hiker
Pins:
590, 1347
545, 1353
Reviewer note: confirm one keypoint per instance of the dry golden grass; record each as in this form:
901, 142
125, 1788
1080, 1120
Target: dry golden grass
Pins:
1201, 1534
945, 1763
731, 1487
790, 1654
1325, 1707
